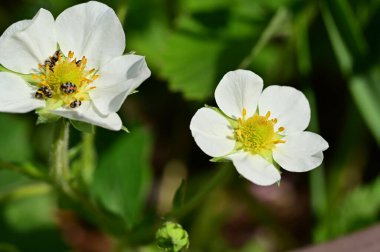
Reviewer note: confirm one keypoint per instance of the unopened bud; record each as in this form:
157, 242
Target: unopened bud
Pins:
172, 237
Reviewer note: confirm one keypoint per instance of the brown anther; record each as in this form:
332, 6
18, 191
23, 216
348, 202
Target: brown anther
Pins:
281, 129
267, 114
279, 141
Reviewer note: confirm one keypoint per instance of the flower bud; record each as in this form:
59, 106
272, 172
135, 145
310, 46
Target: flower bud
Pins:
172, 237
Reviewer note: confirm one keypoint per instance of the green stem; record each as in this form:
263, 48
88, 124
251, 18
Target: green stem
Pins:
88, 158
59, 162
275, 25
220, 178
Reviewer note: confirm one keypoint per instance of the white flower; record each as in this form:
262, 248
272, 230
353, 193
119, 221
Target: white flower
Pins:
77, 64
254, 128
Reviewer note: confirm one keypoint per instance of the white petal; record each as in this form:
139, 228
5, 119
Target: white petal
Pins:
255, 168
237, 90
93, 30
288, 105
16, 27
28, 43
88, 113
212, 132
301, 152
16, 96
117, 80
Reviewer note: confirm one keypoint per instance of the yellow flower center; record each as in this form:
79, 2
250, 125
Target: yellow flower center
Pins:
64, 81
257, 135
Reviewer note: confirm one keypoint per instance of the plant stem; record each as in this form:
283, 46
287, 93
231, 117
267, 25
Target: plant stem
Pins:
88, 158
220, 178
59, 162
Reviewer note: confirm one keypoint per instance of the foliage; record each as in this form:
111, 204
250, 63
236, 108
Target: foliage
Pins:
328, 49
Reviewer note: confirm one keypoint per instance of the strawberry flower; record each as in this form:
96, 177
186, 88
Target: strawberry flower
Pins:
70, 67
258, 130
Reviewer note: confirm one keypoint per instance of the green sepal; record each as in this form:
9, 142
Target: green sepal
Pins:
27, 77
83, 126
219, 160
125, 129
229, 119
45, 117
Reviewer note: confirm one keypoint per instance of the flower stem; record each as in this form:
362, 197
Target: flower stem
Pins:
59, 162
88, 158
220, 178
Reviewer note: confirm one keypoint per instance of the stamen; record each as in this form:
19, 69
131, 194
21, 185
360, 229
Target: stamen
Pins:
256, 134
65, 80
244, 112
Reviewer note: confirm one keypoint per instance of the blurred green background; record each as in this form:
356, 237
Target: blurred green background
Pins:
329, 49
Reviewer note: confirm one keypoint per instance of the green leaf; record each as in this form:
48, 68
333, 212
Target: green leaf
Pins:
15, 143
348, 27
83, 126
363, 90
359, 209
191, 65
29, 213
122, 179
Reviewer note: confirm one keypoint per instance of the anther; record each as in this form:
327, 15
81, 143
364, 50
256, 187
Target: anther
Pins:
281, 129
267, 114
244, 112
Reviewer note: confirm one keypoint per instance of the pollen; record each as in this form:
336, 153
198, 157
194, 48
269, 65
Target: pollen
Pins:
257, 134
66, 80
